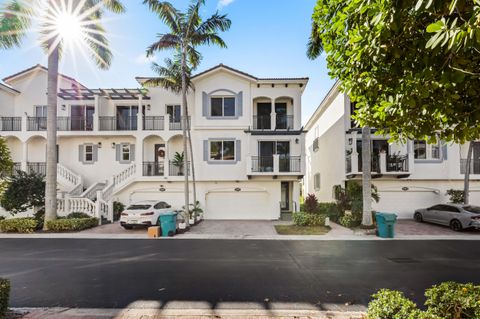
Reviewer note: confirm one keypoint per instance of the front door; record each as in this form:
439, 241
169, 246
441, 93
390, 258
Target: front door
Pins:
285, 196
264, 111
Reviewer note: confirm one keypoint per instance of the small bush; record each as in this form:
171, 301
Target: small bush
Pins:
451, 300
306, 219
40, 217
77, 215
4, 296
2, 218
350, 221
456, 196
71, 224
118, 208
311, 204
18, 225
390, 304
331, 210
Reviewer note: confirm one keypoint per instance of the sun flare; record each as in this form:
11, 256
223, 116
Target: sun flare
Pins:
68, 26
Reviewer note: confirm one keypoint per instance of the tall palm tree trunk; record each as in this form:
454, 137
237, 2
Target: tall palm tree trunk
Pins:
51, 160
466, 180
367, 177
184, 129
189, 133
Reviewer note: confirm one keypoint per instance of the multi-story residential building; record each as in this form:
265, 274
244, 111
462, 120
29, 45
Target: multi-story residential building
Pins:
120, 144
408, 176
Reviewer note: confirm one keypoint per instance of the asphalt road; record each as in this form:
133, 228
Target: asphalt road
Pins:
115, 273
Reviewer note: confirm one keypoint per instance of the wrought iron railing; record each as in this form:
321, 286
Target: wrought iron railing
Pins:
75, 123
262, 122
37, 168
397, 163
10, 124
262, 164
113, 123
153, 123
153, 168
290, 164
177, 170
36, 123
284, 122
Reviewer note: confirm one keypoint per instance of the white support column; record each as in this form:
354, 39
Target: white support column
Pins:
167, 122
96, 115
273, 117
23, 165
383, 162
354, 153
276, 164
140, 114
411, 156
24, 122
139, 155
296, 196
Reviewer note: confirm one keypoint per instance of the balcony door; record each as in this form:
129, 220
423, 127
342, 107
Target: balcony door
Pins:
281, 120
127, 117
175, 112
377, 146
266, 150
264, 111
81, 117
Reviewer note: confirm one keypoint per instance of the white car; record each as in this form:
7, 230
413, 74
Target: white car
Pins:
143, 213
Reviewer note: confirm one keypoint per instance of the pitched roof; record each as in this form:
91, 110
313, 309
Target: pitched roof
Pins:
38, 67
8, 88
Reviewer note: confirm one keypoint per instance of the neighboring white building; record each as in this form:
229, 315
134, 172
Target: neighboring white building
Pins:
118, 144
408, 176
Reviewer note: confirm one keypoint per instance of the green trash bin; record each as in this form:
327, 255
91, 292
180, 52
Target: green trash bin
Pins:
386, 224
168, 224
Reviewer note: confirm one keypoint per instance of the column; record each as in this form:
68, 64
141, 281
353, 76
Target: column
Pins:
273, 117
140, 114
24, 156
276, 164
383, 162
167, 122
139, 155
354, 156
96, 115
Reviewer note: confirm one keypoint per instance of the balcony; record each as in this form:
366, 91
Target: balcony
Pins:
154, 168
36, 123
175, 170
10, 124
474, 166
273, 122
275, 165
39, 168
153, 123
74, 123
381, 165
113, 123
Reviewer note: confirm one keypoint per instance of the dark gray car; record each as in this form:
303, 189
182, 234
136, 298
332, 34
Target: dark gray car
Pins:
456, 216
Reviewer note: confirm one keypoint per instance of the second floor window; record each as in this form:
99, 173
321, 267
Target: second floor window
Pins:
40, 111
88, 153
425, 151
222, 150
222, 106
125, 152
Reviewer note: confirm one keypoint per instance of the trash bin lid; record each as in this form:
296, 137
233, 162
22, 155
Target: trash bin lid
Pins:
169, 213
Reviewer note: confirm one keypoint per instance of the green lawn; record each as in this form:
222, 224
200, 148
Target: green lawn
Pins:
301, 230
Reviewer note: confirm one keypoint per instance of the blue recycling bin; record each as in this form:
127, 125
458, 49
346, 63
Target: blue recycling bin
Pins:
168, 224
386, 224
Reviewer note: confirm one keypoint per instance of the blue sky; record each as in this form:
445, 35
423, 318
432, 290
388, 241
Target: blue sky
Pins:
267, 39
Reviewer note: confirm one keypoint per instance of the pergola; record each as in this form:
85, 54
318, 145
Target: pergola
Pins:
111, 94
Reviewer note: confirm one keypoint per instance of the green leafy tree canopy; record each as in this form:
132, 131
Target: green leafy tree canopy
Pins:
24, 192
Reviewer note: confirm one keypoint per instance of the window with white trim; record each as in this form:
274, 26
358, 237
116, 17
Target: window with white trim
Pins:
126, 152
222, 106
316, 181
222, 150
88, 154
424, 151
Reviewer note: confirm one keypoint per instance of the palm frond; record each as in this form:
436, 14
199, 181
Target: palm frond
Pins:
114, 6
208, 39
215, 23
314, 45
166, 12
166, 41
15, 20
169, 76
194, 57
98, 45
193, 17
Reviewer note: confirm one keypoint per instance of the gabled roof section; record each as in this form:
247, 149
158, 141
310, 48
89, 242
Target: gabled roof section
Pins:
326, 102
37, 68
8, 88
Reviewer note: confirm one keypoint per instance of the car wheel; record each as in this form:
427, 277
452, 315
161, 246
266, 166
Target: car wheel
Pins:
127, 227
456, 225
418, 217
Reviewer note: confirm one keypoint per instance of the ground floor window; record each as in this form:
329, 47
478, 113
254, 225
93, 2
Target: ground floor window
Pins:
425, 151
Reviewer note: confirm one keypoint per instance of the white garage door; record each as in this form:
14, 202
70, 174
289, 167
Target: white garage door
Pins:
238, 205
404, 203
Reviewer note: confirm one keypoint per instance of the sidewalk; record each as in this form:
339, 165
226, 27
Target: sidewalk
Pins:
66, 313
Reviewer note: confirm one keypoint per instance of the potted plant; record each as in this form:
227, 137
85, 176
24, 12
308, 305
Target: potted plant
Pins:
182, 225
178, 161
197, 211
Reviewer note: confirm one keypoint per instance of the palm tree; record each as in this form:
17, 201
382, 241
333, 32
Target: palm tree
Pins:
15, 20
466, 180
170, 78
187, 32
314, 50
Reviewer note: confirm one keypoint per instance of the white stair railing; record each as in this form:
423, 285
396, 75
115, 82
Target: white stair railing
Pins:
119, 180
76, 205
70, 179
91, 192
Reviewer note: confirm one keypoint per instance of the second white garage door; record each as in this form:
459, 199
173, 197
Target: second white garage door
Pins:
404, 204
239, 205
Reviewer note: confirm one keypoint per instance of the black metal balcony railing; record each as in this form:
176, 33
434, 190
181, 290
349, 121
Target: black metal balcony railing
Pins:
36, 124
284, 122
10, 124
474, 166
16, 167
375, 164
290, 164
153, 169
262, 122
177, 170
153, 123
113, 123
348, 163
37, 167
262, 164
397, 163
75, 123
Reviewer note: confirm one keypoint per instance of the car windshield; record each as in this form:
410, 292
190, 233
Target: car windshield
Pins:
472, 209
139, 206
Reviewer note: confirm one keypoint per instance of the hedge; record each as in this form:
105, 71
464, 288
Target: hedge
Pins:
4, 296
71, 224
18, 225
307, 219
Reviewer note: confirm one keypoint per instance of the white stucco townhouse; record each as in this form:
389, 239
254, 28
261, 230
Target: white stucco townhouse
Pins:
118, 144
408, 176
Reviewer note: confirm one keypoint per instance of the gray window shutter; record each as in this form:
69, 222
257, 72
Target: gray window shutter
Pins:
240, 103
95, 153
118, 155
132, 152
444, 151
238, 150
80, 154
205, 150
205, 104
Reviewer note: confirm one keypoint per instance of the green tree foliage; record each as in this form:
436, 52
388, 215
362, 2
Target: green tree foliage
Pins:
413, 66
24, 192
6, 165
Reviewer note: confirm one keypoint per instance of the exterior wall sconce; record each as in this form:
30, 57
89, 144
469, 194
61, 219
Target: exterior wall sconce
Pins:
99, 144
149, 107
113, 145
297, 140
64, 107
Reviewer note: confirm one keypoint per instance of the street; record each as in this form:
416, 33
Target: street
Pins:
92, 273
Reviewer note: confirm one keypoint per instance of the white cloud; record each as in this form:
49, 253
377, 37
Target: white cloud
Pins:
143, 59
223, 3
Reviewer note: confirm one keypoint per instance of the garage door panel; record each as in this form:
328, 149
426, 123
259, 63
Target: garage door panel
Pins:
405, 203
229, 205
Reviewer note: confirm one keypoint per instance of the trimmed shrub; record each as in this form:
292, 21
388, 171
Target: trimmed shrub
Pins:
311, 204
331, 210
71, 224
451, 300
77, 215
4, 296
390, 304
306, 219
350, 221
118, 208
18, 225
456, 196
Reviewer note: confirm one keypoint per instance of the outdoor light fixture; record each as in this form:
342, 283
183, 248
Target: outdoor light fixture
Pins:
113, 145
99, 144
296, 141
64, 107
149, 107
